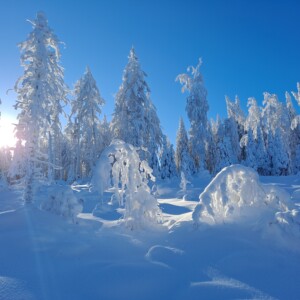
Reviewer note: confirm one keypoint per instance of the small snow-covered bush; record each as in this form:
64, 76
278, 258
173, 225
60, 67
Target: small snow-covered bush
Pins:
60, 199
119, 167
236, 195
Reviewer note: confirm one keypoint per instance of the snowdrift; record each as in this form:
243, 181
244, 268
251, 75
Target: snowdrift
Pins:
236, 195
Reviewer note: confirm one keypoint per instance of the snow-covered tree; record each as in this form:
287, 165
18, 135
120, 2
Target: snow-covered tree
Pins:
5, 161
105, 133
255, 154
294, 140
235, 112
183, 159
196, 108
84, 126
297, 94
276, 128
167, 160
278, 152
40, 91
211, 149
120, 166
134, 119
254, 118
224, 136
231, 134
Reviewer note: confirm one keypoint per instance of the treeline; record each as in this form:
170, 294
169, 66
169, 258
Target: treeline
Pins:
266, 139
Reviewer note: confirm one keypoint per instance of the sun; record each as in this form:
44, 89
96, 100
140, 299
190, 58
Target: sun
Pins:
7, 137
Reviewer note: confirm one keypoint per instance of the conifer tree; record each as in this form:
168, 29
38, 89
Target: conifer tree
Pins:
196, 108
276, 129
167, 160
183, 159
40, 91
134, 119
87, 139
255, 155
225, 154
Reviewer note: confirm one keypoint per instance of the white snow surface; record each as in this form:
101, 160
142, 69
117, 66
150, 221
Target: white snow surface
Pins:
236, 194
42, 256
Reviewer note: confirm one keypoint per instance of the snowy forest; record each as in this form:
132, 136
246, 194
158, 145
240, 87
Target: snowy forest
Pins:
55, 146
93, 207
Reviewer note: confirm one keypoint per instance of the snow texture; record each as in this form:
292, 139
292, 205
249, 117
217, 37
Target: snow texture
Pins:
236, 195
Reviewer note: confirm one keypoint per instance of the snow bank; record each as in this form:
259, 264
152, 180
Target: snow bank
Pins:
236, 195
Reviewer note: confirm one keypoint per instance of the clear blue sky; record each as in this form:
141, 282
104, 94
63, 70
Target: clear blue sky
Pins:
247, 47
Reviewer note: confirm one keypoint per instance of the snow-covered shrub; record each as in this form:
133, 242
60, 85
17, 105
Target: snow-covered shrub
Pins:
183, 182
61, 200
236, 195
119, 167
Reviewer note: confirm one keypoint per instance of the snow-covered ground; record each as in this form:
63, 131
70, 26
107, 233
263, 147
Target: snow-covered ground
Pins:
44, 256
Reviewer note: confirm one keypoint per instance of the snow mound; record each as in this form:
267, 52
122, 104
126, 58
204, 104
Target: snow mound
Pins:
236, 195
60, 200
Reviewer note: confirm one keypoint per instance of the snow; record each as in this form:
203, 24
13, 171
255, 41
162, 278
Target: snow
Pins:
236, 193
42, 256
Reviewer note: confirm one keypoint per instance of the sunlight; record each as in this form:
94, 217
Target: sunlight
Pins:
7, 137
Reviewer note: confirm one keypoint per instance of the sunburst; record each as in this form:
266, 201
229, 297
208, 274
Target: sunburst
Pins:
7, 137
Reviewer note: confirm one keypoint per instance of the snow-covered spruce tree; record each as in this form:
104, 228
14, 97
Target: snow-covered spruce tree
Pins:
120, 166
212, 150
276, 128
255, 155
167, 160
183, 159
235, 112
196, 108
40, 92
134, 119
105, 133
280, 157
225, 138
84, 126
237, 121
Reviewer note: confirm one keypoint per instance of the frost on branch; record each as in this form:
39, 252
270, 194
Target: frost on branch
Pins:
235, 195
120, 167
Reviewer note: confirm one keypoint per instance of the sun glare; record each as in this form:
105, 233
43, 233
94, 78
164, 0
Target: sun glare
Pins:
7, 137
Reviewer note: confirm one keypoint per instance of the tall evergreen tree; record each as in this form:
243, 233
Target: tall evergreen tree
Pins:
87, 139
167, 160
277, 132
256, 155
225, 148
40, 92
134, 119
183, 159
196, 108
105, 133
235, 112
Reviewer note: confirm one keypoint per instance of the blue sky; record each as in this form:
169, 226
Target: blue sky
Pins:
248, 47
